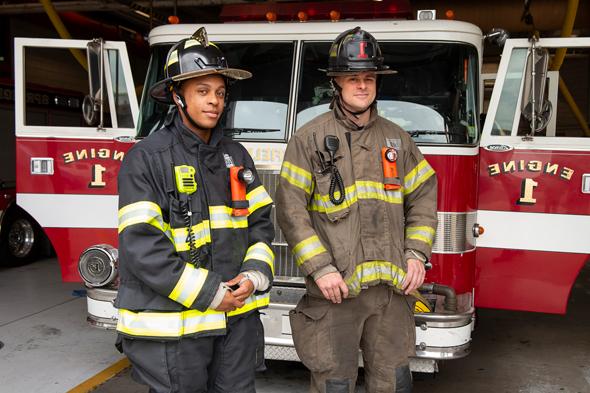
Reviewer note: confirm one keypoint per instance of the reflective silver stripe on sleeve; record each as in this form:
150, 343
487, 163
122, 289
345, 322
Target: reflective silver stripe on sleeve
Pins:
262, 252
189, 285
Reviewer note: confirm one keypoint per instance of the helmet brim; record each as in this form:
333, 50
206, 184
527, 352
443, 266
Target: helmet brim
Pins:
160, 91
356, 72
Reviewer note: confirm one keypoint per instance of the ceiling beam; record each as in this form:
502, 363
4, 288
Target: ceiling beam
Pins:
98, 5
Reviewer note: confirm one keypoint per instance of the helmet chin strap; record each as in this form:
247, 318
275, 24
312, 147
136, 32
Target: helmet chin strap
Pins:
182, 104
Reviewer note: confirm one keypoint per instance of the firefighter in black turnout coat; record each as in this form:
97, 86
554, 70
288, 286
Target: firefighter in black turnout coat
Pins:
195, 235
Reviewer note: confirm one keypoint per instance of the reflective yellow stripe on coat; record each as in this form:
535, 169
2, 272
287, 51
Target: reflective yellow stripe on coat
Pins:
220, 217
421, 233
307, 249
258, 198
201, 236
361, 189
143, 212
262, 252
372, 273
183, 323
421, 172
296, 176
189, 285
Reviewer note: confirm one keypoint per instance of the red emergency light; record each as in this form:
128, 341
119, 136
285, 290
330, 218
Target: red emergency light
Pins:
316, 10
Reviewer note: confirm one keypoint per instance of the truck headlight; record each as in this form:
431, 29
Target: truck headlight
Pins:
98, 265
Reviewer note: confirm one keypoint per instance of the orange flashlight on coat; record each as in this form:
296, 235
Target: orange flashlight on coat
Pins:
391, 179
239, 178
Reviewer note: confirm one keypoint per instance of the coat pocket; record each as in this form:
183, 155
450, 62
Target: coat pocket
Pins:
321, 198
310, 326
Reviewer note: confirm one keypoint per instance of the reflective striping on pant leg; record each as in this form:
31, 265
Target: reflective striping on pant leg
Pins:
338, 385
262, 252
189, 285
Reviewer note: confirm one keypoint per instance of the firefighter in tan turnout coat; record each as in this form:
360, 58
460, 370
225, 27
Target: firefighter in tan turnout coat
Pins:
357, 204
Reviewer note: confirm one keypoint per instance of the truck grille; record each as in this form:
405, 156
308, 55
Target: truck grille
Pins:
285, 268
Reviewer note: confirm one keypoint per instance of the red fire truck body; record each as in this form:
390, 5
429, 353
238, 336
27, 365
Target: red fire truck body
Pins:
524, 199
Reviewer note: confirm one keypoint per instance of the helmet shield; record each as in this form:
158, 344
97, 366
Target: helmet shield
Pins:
191, 58
355, 51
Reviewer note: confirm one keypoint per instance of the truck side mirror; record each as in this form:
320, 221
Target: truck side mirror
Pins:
93, 104
535, 107
497, 36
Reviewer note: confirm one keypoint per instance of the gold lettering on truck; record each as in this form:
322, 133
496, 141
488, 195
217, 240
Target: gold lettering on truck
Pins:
97, 171
528, 185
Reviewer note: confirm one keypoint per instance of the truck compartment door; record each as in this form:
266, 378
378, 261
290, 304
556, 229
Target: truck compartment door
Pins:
67, 166
532, 201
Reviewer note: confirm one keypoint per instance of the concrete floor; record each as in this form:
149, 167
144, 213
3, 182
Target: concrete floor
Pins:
49, 347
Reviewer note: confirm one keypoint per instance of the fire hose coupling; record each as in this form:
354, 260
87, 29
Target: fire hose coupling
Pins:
240, 177
450, 303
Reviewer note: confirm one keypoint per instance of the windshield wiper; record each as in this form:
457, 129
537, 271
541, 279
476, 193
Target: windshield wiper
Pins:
414, 133
238, 131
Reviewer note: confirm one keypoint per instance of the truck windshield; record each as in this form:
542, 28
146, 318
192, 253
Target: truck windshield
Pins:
432, 96
257, 107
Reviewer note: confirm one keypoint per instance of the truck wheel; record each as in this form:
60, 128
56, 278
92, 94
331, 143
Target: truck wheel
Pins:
20, 242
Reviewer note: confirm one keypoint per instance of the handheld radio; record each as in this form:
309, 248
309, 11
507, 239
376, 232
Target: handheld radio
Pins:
186, 185
185, 179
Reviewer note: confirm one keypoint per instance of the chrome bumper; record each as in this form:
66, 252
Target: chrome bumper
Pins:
101, 310
438, 336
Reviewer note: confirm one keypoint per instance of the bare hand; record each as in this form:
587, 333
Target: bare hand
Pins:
229, 302
333, 287
414, 277
245, 289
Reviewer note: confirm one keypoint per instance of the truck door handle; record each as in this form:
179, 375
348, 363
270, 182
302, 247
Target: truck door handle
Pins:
586, 183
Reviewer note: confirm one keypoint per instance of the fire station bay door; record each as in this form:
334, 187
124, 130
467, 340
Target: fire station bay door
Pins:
534, 187
75, 116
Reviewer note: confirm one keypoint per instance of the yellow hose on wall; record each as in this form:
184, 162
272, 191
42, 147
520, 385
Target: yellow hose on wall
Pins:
566, 31
62, 31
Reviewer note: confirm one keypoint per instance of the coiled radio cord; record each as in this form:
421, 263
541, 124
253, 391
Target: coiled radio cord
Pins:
336, 181
193, 252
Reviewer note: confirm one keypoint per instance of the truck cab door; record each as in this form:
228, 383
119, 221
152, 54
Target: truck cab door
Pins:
67, 158
534, 187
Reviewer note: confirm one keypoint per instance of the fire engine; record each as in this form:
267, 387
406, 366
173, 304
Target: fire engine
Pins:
514, 189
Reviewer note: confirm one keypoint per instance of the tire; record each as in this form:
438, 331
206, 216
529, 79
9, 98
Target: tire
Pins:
21, 240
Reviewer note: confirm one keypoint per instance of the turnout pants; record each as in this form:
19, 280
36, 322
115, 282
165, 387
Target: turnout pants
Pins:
328, 337
216, 364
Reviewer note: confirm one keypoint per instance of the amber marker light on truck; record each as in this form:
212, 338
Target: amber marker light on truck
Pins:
334, 15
